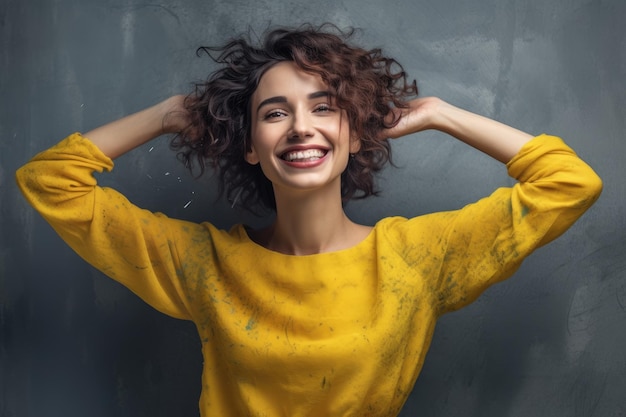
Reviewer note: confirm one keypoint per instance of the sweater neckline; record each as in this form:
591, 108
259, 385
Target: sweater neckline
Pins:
366, 242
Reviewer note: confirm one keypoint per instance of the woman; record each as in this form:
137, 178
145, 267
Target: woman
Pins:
313, 315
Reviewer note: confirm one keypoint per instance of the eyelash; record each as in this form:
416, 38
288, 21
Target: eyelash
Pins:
274, 113
323, 107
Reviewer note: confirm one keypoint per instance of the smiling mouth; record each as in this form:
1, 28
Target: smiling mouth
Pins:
303, 156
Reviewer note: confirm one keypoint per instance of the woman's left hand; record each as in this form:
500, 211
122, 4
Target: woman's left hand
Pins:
496, 139
419, 116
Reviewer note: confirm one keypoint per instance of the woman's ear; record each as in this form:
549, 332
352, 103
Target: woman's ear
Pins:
251, 156
355, 144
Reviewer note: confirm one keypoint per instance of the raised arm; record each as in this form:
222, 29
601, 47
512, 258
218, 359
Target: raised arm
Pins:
120, 136
136, 247
486, 241
496, 139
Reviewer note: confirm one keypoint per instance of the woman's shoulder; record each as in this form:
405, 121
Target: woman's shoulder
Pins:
399, 224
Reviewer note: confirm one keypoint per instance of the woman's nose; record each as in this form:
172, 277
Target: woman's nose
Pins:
301, 126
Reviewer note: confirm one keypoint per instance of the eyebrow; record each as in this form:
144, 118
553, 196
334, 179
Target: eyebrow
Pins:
283, 99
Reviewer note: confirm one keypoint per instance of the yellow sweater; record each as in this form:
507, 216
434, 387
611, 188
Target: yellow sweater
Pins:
334, 334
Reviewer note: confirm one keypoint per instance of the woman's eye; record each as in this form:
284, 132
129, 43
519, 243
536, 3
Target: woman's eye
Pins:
323, 108
274, 114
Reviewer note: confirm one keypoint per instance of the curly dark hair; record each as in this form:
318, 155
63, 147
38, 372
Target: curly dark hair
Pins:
366, 84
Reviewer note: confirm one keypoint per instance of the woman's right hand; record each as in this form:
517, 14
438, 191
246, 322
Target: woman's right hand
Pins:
176, 118
120, 136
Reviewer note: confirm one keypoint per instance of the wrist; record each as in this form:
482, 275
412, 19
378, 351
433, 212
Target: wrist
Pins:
444, 116
173, 114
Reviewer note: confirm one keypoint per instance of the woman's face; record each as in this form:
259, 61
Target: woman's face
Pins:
299, 137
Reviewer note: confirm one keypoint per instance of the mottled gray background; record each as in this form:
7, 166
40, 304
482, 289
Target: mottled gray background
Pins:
549, 342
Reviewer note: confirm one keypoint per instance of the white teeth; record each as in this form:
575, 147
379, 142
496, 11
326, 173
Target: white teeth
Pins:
309, 154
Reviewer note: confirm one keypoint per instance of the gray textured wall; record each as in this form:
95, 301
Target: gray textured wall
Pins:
549, 342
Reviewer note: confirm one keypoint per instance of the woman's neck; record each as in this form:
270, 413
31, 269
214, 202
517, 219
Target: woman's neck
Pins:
311, 223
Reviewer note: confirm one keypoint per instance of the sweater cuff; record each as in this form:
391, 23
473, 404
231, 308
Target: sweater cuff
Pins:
534, 150
78, 147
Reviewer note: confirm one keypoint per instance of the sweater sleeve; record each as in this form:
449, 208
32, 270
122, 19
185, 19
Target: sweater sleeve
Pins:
135, 247
485, 242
